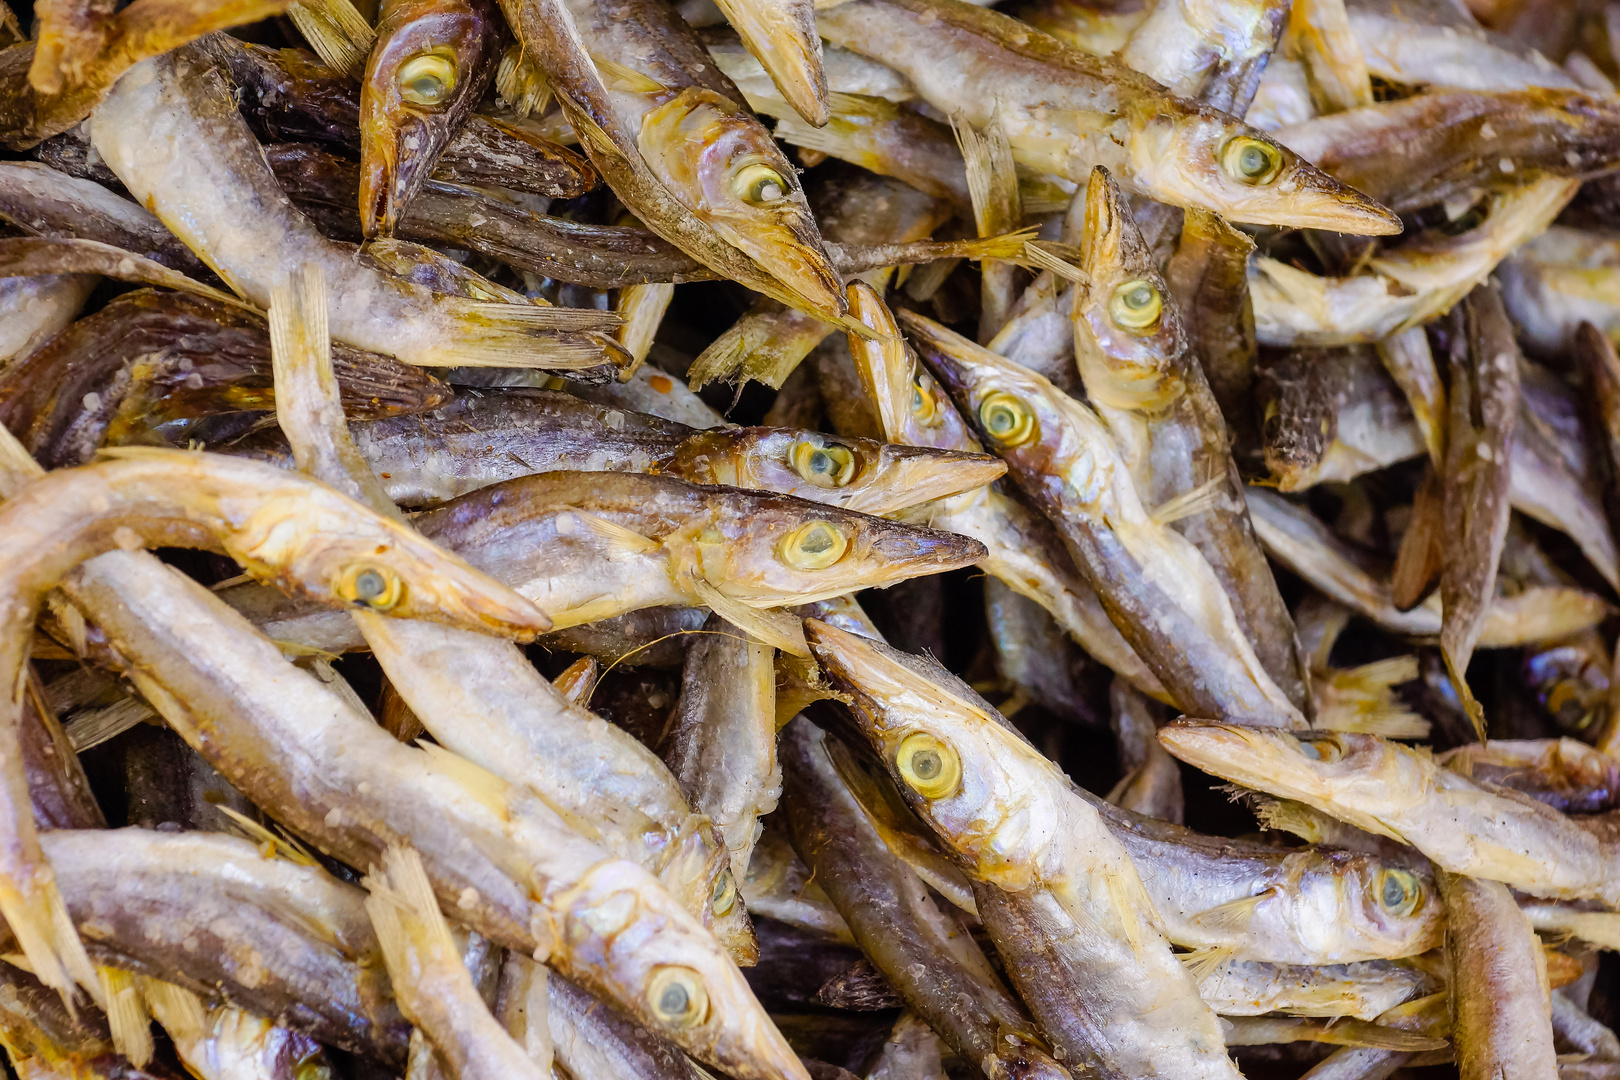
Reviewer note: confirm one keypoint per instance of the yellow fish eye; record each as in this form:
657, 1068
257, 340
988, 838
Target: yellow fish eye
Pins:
1250, 161
724, 897
369, 586
1006, 419
1325, 749
427, 79
829, 466
1136, 305
1398, 891
928, 766
677, 998
924, 405
759, 185
814, 546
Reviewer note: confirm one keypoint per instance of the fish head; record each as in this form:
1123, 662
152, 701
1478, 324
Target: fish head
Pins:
1128, 339
722, 164
913, 407
1199, 157
856, 474
630, 940
975, 782
425, 74
1057, 447
330, 548
770, 550
1382, 908
1353, 776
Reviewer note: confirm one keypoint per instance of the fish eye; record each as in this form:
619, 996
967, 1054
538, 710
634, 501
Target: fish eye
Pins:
1398, 891
1250, 161
374, 587
724, 897
814, 546
677, 998
427, 79
1322, 749
928, 766
924, 405
759, 185
1136, 305
830, 466
1006, 419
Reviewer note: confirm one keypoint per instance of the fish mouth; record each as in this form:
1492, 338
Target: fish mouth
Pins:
919, 551
908, 475
785, 40
1321, 202
791, 252
1232, 751
858, 666
396, 155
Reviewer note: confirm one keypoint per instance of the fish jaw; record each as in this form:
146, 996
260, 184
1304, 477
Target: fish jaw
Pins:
996, 824
1068, 462
744, 547
1359, 778
400, 142
626, 932
1178, 159
1123, 367
338, 551
782, 36
706, 149
905, 476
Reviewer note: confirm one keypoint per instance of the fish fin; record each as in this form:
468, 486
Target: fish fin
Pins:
614, 533
1363, 699
47, 937
337, 32
1285, 815
479, 783
1199, 500
991, 176
520, 84
1127, 902
519, 335
1470, 704
617, 76
1044, 256
775, 628
179, 1010
1234, 916
1205, 962
127, 1020
90, 728
271, 844
404, 910
1350, 1032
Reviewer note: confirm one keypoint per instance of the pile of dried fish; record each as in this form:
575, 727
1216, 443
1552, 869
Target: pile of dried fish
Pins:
854, 540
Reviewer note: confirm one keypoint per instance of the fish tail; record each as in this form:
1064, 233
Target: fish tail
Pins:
179, 1010
1363, 699
523, 335
757, 346
337, 32
520, 84
1203, 963
39, 919
127, 1018
406, 913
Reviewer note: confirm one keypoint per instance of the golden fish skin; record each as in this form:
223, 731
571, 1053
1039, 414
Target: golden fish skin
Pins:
1157, 589
503, 860
433, 61
1392, 790
1008, 818
1066, 111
